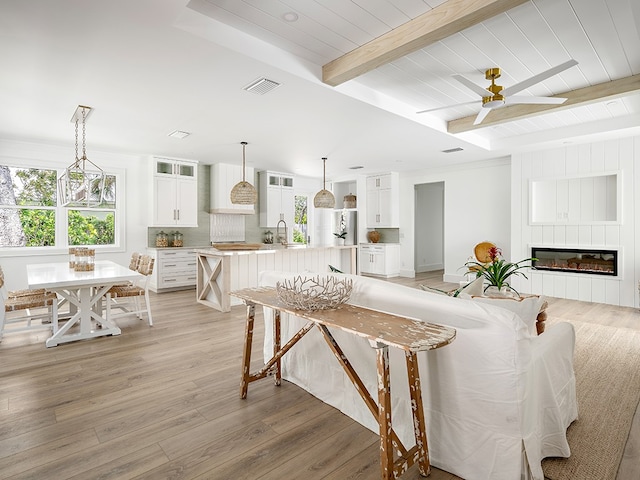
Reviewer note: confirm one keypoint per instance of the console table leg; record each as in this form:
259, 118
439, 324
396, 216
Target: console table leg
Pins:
384, 412
417, 410
246, 355
276, 347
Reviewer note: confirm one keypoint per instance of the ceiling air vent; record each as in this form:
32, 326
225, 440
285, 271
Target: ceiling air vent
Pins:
356, 167
261, 86
451, 150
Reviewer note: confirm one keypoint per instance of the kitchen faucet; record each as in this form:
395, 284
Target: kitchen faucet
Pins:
279, 238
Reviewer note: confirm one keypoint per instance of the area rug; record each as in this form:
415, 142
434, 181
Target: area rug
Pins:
607, 367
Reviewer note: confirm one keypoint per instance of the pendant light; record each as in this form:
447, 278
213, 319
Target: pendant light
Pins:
324, 198
82, 183
243, 193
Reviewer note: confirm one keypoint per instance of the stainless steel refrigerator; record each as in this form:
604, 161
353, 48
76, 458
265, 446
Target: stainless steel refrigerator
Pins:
346, 220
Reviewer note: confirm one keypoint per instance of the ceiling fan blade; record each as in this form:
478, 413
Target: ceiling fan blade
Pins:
519, 100
518, 87
483, 113
469, 84
448, 106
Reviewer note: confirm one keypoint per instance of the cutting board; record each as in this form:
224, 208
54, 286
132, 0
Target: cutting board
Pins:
237, 246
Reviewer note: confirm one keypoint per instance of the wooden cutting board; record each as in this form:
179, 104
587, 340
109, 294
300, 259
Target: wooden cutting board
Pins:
237, 246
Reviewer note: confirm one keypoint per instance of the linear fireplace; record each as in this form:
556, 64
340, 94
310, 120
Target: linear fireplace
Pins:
576, 260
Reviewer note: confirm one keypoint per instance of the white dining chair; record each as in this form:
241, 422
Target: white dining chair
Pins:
24, 310
127, 298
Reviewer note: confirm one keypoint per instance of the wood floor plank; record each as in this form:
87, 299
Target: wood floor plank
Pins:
128, 466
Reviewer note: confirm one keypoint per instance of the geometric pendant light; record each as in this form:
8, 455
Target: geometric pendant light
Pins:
82, 183
324, 198
243, 193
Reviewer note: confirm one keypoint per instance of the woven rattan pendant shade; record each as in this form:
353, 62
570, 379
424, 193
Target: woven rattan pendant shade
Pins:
324, 198
243, 193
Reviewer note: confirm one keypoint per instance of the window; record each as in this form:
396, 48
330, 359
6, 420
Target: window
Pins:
30, 214
300, 232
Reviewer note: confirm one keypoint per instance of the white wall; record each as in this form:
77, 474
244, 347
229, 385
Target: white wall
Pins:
619, 155
136, 184
477, 198
429, 227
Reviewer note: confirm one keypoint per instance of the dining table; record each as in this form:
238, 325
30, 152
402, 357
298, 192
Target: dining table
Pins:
84, 291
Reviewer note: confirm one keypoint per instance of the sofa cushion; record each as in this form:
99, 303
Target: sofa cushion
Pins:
527, 308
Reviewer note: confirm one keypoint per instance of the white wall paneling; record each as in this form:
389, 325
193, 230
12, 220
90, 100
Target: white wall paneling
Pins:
593, 196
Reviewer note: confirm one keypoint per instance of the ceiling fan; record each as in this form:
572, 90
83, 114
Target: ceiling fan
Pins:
496, 96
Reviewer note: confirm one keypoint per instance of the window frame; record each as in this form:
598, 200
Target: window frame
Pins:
61, 213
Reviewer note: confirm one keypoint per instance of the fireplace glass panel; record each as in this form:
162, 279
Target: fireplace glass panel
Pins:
591, 261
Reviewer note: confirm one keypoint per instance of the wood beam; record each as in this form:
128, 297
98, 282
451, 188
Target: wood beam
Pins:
575, 98
443, 21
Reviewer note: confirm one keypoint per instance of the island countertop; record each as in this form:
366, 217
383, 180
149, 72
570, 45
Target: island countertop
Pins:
220, 272
268, 249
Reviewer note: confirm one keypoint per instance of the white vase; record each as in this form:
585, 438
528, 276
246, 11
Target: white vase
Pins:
340, 242
493, 291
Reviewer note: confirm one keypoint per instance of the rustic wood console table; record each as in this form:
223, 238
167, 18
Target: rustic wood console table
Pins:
382, 330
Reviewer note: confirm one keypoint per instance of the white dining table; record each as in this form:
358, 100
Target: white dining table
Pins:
84, 292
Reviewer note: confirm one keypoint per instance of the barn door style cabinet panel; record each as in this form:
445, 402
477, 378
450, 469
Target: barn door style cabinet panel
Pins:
223, 178
174, 193
383, 201
276, 199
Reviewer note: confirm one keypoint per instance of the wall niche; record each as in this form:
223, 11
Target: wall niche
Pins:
582, 200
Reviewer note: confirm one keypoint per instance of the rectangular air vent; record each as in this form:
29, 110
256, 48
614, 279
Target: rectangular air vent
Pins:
261, 86
451, 150
179, 134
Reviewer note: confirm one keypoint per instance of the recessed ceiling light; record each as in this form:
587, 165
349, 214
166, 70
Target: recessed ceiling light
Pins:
290, 16
179, 134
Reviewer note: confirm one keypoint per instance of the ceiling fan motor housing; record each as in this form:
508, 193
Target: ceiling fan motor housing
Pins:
496, 100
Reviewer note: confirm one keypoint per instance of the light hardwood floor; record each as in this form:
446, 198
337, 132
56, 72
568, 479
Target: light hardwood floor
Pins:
163, 402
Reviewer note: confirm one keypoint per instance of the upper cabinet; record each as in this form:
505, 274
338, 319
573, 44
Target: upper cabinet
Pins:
174, 193
583, 200
175, 168
383, 201
276, 199
223, 179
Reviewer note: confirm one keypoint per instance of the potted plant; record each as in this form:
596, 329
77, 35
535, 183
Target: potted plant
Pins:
340, 236
497, 271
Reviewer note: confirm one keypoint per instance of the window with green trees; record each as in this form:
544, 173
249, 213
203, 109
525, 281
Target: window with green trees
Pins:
300, 219
31, 217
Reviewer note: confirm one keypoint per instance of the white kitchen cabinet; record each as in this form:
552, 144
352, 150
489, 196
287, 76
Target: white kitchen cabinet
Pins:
223, 178
174, 193
174, 269
379, 259
276, 200
383, 201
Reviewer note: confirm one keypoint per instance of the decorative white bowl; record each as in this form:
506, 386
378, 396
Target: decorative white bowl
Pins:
316, 293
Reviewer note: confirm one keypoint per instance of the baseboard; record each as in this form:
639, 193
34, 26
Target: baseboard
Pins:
447, 277
408, 273
430, 267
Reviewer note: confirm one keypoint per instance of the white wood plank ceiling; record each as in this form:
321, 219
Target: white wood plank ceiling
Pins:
602, 35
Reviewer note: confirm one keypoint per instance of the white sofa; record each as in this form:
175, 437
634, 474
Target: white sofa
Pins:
497, 400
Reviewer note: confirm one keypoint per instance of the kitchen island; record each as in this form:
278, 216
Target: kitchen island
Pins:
222, 271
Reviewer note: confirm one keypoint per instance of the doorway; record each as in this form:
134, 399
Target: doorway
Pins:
429, 227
